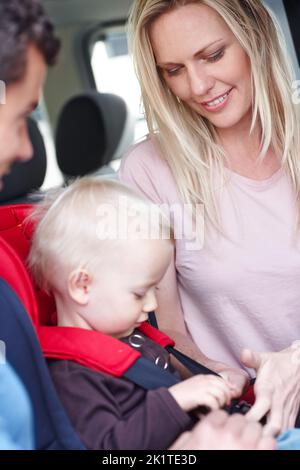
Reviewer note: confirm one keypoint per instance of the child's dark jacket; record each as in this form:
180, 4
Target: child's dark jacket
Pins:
112, 413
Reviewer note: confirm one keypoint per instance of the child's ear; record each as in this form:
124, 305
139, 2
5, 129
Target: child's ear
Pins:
79, 284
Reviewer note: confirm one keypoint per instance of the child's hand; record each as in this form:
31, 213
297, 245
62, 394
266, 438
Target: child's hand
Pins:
202, 390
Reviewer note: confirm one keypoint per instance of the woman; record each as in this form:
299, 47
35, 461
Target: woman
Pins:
224, 134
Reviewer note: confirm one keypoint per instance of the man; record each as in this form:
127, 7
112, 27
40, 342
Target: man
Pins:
219, 431
27, 45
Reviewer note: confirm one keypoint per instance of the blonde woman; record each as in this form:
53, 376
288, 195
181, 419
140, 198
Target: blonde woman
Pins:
224, 136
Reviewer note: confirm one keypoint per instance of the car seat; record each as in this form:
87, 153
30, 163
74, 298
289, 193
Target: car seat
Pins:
19, 323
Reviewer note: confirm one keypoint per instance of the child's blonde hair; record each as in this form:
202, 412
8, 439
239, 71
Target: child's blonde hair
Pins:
78, 225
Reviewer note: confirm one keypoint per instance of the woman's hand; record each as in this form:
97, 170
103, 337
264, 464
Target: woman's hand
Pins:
277, 388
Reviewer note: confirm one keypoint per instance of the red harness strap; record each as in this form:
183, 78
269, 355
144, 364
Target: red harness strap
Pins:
94, 349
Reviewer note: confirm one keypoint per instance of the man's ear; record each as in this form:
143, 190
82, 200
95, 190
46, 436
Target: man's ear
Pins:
79, 285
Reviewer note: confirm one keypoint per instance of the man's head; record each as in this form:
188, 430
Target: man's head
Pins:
27, 46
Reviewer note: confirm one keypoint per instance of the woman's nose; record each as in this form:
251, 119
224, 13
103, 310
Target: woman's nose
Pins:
200, 81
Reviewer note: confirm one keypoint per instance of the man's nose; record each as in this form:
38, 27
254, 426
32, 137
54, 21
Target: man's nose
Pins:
25, 149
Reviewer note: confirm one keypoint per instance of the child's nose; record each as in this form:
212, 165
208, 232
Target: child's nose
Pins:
150, 301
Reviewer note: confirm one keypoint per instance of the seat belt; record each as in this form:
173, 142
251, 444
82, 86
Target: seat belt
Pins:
192, 365
147, 375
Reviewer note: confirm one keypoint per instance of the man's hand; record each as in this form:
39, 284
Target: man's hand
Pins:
277, 388
219, 431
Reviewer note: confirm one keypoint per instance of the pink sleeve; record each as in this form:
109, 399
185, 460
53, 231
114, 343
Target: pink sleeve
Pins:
141, 168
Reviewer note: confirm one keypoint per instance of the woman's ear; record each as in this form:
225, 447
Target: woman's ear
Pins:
79, 285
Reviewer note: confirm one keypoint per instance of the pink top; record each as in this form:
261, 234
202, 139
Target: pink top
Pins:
242, 290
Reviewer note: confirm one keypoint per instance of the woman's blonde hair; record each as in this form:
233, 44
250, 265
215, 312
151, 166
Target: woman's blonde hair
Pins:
188, 141
75, 227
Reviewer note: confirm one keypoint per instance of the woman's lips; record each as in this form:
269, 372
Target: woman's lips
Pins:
218, 103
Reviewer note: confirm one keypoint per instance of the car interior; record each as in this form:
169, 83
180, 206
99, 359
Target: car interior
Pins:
91, 106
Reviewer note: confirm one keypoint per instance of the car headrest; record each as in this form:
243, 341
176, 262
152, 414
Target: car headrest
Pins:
90, 129
29, 176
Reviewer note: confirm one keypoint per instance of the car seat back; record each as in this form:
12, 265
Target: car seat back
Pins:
19, 324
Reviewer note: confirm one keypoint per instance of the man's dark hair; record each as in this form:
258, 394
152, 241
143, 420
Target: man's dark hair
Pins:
24, 22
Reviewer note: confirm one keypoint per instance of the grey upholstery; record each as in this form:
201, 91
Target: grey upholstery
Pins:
93, 128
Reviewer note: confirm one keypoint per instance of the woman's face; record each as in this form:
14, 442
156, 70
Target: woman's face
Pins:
203, 64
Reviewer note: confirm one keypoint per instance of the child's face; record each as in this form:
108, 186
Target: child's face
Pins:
123, 290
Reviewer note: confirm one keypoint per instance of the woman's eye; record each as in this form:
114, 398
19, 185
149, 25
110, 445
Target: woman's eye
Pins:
217, 56
173, 72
